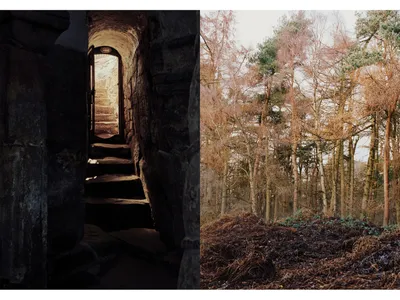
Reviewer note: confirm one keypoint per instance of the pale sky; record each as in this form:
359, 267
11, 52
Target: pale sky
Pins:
254, 26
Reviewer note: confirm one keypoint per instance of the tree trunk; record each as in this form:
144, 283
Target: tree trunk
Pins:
224, 188
267, 183
386, 165
295, 177
342, 182
300, 187
352, 148
396, 158
253, 198
322, 178
313, 182
335, 168
294, 136
306, 193
368, 176
275, 208
340, 163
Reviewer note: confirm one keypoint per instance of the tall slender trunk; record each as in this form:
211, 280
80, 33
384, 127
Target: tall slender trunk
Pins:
294, 136
370, 166
340, 164
386, 165
267, 183
224, 188
276, 203
295, 177
375, 166
322, 178
352, 148
342, 182
264, 122
300, 186
306, 193
396, 157
253, 198
335, 168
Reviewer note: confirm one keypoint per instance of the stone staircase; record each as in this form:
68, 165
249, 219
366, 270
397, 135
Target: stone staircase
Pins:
106, 116
120, 247
114, 197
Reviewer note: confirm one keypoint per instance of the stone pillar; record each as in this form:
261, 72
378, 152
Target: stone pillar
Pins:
25, 38
67, 136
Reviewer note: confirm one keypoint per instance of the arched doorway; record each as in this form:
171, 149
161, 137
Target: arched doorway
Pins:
105, 98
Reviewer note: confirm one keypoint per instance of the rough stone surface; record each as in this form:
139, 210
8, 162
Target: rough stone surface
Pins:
189, 276
168, 155
23, 197
42, 142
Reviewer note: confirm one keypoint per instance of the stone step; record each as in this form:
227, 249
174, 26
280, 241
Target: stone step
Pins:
104, 101
112, 131
106, 127
106, 123
112, 214
103, 109
114, 186
101, 150
99, 88
101, 93
106, 118
109, 165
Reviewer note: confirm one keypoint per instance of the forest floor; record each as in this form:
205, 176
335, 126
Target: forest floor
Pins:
242, 252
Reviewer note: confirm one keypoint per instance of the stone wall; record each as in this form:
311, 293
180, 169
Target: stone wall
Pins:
164, 63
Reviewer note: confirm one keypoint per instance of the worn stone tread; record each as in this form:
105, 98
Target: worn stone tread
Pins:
111, 178
111, 160
110, 146
116, 201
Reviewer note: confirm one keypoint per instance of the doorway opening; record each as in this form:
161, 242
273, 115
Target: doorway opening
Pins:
106, 117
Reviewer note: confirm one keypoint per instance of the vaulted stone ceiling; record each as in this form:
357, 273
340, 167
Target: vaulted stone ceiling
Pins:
118, 29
